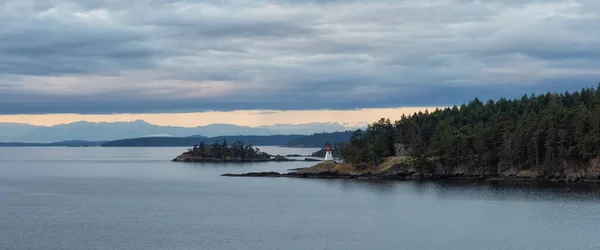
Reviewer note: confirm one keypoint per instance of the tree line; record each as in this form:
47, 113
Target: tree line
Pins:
535, 132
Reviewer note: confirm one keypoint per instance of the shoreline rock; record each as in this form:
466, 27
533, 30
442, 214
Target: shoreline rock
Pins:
398, 168
295, 169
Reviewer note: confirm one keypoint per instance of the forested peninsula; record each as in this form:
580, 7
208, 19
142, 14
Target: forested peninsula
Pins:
548, 137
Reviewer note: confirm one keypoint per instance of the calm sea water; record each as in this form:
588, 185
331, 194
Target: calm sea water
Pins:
135, 198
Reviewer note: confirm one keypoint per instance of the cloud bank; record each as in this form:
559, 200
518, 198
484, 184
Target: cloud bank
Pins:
92, 56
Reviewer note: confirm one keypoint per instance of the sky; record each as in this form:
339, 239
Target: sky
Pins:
162, 59
251, 118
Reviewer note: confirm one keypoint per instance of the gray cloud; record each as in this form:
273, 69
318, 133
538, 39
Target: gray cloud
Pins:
172, 56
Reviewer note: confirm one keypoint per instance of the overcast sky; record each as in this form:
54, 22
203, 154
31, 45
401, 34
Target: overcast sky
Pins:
105, 56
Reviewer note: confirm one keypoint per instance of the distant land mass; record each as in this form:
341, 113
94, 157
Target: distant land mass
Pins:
315, 140
320, 139
257, 140
74, 143
109, 131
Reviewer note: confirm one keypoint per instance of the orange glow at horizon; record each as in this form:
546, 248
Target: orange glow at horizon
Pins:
252, 118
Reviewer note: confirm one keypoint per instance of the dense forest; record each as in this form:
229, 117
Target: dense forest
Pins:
218, 150
544, 133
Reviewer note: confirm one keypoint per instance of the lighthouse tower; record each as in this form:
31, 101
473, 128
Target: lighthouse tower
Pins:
328, 155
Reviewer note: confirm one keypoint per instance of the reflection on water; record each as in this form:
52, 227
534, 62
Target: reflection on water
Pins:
135, 198
472, 190
345, 185
500, 190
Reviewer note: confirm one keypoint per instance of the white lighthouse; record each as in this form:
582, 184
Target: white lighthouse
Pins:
328, 155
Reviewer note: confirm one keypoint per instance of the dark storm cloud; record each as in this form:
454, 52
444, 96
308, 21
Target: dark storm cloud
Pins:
149, 56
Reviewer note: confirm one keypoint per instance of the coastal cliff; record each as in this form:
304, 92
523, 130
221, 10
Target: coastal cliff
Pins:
406, 168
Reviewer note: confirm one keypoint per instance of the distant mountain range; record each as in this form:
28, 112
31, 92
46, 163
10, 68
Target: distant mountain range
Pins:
314, 140
105, 131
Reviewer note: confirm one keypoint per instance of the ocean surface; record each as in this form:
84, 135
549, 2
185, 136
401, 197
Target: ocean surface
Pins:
135, 198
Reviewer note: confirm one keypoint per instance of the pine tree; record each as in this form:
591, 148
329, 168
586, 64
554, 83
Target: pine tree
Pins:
541, 132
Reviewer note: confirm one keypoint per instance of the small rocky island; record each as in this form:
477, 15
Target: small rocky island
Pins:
237, 152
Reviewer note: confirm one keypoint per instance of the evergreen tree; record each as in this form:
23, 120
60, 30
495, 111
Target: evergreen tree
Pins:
538, 132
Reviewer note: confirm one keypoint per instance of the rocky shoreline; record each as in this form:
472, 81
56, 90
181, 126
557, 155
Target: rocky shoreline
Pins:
396, 169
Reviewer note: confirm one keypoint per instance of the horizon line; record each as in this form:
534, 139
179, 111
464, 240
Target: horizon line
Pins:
246, 118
